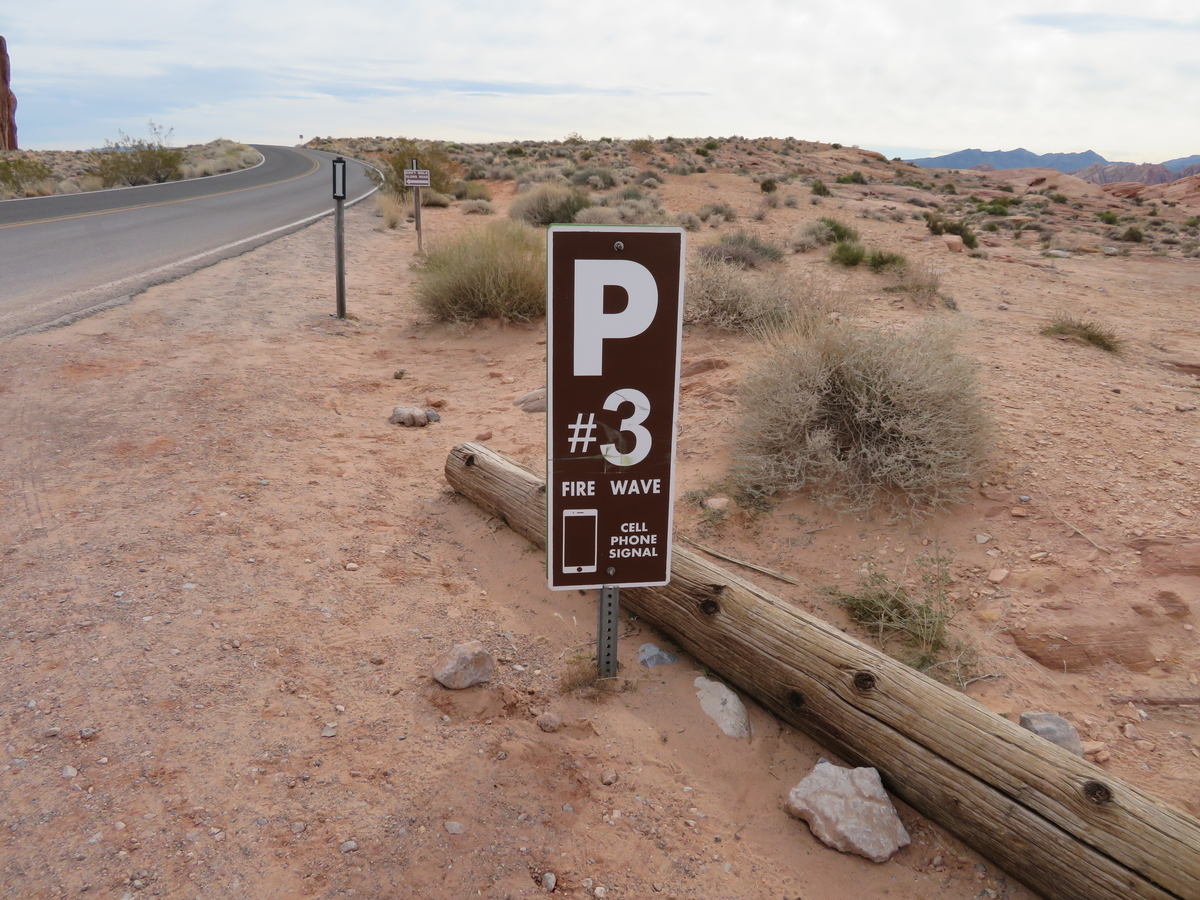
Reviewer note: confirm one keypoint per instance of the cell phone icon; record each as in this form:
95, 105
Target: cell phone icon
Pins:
579, 540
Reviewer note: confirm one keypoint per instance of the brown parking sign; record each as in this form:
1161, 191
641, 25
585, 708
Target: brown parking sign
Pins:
614, 321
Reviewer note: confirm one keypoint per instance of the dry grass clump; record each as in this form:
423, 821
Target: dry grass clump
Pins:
389, 208
821, 232
435, 198
497, 271
856, 417
1089, 332
918, 618
549, 204
729, 297
742, 249
581, 677
477, 208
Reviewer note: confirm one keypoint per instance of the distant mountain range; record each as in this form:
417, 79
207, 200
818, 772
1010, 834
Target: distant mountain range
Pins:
1098, 169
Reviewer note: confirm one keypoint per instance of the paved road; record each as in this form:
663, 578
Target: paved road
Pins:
70, 255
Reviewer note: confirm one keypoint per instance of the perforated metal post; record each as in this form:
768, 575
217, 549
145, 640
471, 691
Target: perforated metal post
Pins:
606, 635
417, 210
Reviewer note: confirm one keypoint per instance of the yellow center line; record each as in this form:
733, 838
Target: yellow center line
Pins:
316, 164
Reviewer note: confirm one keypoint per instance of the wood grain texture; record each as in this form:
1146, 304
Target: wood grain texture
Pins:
1063, 826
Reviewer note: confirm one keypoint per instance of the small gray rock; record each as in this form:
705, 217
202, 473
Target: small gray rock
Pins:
298, 827
432, 415
69, 772
1112, 251
349, 846
723, 706
409, 416
1055, 729
464, 665
1058, 254
330, 730
453, 827
651, 656
548, 722
549, 881
609, 777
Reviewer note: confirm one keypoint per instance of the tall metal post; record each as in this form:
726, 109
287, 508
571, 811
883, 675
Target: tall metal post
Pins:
339, 233
606, 633
417, 209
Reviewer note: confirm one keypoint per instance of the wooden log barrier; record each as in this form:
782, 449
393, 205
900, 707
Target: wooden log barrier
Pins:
1061, 825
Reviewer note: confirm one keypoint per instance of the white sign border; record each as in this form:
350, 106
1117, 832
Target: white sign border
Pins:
616, 231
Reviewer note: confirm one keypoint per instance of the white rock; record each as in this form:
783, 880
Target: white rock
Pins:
849, 810
549, 881
723, 707
1055, 729
464, 665
411, 416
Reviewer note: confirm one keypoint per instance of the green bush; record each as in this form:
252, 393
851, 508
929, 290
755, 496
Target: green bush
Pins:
937, 224
711, 145
768, 186
599, 179
847, 253
132, 161
1192, 222
430, 197
819, 189
497, 271
429, 156
862, 416
744, 248
1088, 332
855, 177
701, 151
1108, 217
823, 231
20, 172
642, 145
1133, 235
879, 260
548, 204
998, 206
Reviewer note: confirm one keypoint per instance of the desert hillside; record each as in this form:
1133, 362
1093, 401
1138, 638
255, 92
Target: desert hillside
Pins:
226, 576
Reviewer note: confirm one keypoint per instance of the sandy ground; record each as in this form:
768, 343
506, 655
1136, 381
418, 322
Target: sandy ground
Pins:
214, 546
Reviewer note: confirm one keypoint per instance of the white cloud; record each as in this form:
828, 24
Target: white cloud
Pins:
929, 73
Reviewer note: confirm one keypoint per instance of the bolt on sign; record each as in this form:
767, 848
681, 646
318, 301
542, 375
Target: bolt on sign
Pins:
614, 323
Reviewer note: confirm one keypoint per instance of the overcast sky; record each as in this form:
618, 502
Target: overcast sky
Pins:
908, 78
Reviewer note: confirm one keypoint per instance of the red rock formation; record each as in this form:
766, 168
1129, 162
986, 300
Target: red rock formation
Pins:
8, 104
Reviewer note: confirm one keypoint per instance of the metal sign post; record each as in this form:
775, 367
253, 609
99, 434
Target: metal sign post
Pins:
416, 179
339, 232
615, 323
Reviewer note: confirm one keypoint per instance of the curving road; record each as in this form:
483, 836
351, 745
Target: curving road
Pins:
71, 255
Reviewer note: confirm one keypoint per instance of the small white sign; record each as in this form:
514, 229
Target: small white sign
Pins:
416, 178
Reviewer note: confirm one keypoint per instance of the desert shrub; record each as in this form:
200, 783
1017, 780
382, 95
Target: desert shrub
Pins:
19, 172
821, 232
515, 150
819, 188
429, 155
922, 281
858, 417
496, 271
855, 177
548, 204
132, 161
768, 186
1108, 217
728, 297
918, 617
938, 224
1093, 333
470, 190
388, 207
477, 207
642, 145
600, 179
1192, 222
1133, 235
879, 260
690, 221
598, 215
997, 206
847, 253
744, 249
701, 151
711, 145
724, 210
430, 197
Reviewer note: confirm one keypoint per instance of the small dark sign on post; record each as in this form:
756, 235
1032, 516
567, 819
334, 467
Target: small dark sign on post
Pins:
615, 322
339, 232
416, 179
